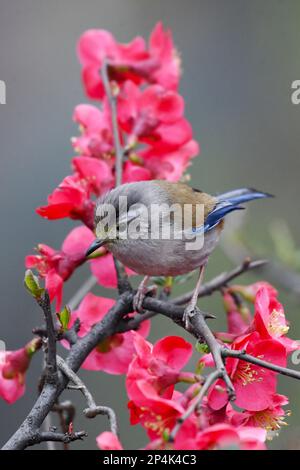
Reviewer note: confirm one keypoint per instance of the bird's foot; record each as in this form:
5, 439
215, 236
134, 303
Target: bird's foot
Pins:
142, 292
189, 311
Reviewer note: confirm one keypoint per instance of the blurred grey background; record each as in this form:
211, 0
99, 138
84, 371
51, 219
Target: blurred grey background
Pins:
239, 60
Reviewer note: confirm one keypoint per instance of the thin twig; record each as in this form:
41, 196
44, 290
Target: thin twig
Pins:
221, 280
56, 437
211, 378
204, 333
295, 374
93, 409
112, 98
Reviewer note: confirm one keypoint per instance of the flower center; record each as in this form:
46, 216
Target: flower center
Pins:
276, 325
246, 374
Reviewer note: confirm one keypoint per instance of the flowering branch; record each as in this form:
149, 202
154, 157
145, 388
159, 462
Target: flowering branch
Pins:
28, 431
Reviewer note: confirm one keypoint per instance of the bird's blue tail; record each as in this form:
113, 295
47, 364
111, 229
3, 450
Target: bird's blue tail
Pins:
238, 196
230, 201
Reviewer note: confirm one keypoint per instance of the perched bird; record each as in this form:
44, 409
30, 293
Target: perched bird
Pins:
126, 222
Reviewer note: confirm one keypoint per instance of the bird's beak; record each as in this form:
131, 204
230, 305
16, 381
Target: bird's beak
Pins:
94, 246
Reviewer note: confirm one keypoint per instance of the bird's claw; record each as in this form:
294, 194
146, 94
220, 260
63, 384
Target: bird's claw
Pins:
189, 312
140, 295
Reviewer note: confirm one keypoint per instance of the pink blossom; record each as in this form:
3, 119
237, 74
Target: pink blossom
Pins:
270, 419
71, 199
153, 115
56, 266
169, 164
254, 385
157, 64
13, 366
269, 319
97, 174
96, 139
108, 441
220, 436
150, 381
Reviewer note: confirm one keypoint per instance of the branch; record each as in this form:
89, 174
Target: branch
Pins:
266, 365
78, 353
112, 98
221, 280
92, 410
211, 378
51, 368
115, 320
56, 437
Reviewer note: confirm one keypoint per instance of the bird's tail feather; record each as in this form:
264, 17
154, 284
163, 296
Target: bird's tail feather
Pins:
230, 201
238, 196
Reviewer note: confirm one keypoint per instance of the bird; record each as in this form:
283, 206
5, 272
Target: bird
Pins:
127, 223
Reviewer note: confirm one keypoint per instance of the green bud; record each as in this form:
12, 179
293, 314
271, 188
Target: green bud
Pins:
202, 348
31, 283
64, 317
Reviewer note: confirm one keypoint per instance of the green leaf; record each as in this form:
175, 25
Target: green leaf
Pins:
31, 283
202, 348
64, 317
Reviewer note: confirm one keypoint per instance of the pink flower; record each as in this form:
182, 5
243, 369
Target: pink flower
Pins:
162, 49
269, 319
160, 364
134, 172
71, 199
158, 415
13, 366
220, 436
108, 441
254, 385
169, 164
153, 115
159, 64
270, 419
114, 354
96, 139
97, 45
56, 266
249, 292
238, 317
97, 174
150, 381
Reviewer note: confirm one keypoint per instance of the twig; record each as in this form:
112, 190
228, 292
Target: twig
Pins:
266, 365
204, 333
56, 437
221, 280
211, 378
71, 334
113, 107
51, 368
93, 409
47, 425
277, 272
123, 283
